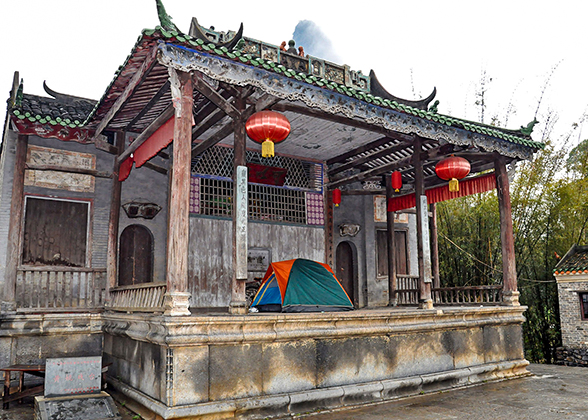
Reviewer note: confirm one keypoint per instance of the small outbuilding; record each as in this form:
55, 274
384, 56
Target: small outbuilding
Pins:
571, 274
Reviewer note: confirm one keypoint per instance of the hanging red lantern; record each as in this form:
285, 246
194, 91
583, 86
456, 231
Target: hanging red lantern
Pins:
336, 197
453, 169
267, 128
396, 181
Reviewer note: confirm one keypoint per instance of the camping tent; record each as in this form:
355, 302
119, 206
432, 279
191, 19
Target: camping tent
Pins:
300, 286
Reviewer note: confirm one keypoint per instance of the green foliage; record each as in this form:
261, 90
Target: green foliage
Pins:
549, 198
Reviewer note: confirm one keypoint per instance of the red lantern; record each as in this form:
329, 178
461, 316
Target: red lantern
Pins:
453, 169
336, 197
267, 127
396, 181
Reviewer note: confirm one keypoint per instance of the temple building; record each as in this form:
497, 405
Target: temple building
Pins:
137, 227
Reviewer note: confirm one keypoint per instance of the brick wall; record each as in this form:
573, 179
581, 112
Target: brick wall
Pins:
574, 331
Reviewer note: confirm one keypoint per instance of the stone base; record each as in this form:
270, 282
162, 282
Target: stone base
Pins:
426, 304
510, 298
295, 403
266, 365
176, 304
238, 308
571, 357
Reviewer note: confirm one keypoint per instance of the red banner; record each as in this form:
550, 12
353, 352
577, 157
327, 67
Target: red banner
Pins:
267, 175
156, 142
467, 187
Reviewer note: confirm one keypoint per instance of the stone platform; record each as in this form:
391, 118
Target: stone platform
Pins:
267, 365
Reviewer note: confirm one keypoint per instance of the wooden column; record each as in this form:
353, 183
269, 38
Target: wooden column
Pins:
13, 250
177, 297
113, 221
509, 269
435, 247
240, 214
390, 238
425, 300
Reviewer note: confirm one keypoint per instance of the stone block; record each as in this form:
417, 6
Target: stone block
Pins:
234, 371
355, 360
318, 399
420, 354
35, 349
190, 373
503, 342
289, 367
465, 346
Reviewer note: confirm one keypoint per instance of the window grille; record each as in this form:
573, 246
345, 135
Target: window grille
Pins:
218, 161
216, 197
266, 203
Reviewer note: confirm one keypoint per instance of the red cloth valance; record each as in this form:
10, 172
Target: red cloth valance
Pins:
467, 187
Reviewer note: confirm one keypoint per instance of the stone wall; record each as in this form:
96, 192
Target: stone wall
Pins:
254, 366
574, 330
571, 357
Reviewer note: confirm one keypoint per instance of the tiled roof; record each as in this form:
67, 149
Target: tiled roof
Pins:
513, 136
65, 111
574, 262
81, 113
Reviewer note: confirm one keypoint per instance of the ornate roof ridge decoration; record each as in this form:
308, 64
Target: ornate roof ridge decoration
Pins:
67, 99
229, 67
220, 39
309, 69
164, 19
378, 90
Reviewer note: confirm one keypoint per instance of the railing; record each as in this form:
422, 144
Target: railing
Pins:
407, 293
145, 297
60, 289
475, 295
407, 289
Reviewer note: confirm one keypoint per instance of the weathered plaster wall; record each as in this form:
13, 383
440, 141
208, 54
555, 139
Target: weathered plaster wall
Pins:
284, 364
147, 186
100, 196
574, 330
210, 257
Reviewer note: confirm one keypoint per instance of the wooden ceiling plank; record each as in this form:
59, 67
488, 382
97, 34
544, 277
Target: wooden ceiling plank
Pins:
429, 154
135, 81
362, 160
162, 90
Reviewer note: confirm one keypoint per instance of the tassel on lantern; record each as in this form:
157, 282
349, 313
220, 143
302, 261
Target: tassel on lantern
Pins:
453, 185
267, 149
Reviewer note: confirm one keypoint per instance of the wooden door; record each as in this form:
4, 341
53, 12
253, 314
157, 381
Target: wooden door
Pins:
344, 269
136, 256
401, 252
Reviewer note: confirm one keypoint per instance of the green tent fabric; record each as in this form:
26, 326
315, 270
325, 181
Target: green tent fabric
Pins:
301, 286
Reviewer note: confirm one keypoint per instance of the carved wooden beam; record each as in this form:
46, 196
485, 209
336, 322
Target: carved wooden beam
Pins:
263, 102
213, 96
152, 128
135, 81
392, 166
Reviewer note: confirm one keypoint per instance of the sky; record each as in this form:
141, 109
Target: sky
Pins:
531, 54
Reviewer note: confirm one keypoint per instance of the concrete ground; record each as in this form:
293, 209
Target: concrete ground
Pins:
555, 392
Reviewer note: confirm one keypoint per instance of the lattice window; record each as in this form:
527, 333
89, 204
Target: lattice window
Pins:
276, 204
266, 203
216, 197
218, 161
